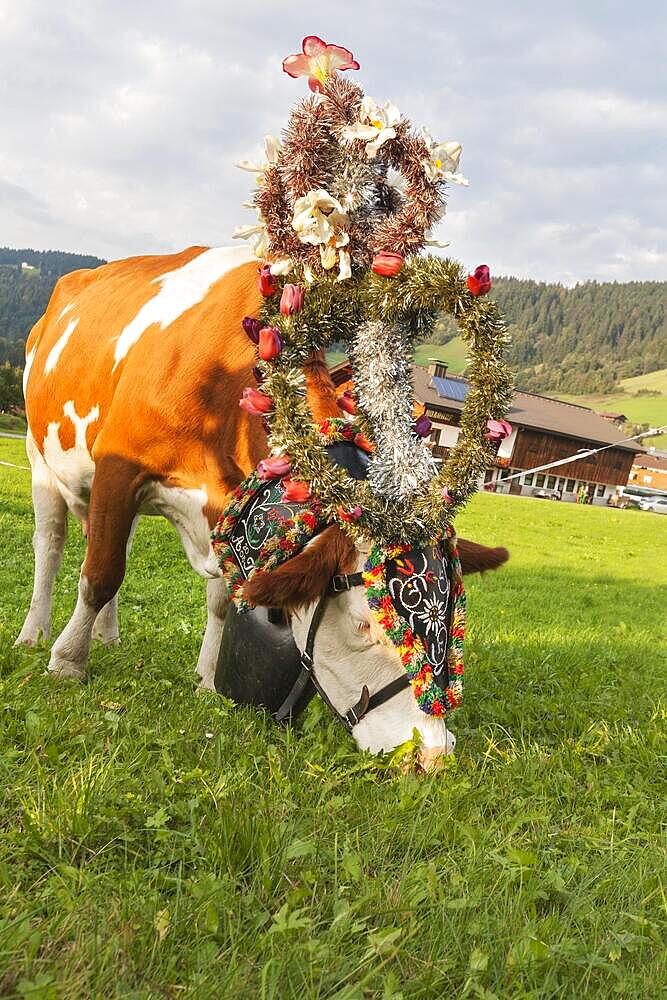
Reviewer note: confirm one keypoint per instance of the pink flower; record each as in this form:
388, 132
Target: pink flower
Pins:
318, 61
291, 300
423, 426
252, 327
447, 496
498, 430
295, 490
270, 343
349, 515
274, 467
268, 283
387, 264
346, 402
255, 402
479, 283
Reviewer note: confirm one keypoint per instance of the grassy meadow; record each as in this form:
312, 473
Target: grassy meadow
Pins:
155, 843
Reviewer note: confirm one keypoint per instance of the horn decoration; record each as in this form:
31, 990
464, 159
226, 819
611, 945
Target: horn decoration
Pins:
333, 221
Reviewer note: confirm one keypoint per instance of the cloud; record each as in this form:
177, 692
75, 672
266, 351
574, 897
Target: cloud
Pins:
121, 122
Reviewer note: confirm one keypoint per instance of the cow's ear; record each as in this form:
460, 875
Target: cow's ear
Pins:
477, 558
303, 579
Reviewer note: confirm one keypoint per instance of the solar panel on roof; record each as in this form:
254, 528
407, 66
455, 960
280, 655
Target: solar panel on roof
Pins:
447, 388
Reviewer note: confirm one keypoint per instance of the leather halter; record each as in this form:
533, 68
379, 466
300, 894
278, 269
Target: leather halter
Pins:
367, 702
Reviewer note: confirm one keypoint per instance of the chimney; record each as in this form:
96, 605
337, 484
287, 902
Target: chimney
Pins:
437, 369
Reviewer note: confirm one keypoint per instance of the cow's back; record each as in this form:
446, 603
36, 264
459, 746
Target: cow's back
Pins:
145, 359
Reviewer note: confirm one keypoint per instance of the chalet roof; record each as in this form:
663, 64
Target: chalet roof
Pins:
657, 463
527, 409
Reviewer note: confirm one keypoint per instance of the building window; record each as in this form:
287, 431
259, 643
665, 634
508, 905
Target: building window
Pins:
435, 435
528, 478
569, 486
488, 475
647, 479
504, 473
540, 480
551, 482
600, 490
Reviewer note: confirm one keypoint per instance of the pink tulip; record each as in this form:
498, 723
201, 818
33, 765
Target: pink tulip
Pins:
295, 490
498, 430
255, 402
270, 343
268, 283
318, 61
346, 402
273, 467
479, 283
252, 327
447, 496
291, 300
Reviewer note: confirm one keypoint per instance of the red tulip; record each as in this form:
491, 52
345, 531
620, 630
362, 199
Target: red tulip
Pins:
295, 490
363, 443
252, 327
270, 343
498, 430
273, 467
479, 283
291, 300
423, 426
346, 402
349, 515
387, 264
447, 496
255, 402
268, 283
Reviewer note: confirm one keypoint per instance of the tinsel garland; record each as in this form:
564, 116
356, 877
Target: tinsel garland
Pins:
383, 388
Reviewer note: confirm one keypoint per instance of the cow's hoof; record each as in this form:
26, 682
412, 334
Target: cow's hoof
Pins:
206, 684
106, 640
66, 669
31, 636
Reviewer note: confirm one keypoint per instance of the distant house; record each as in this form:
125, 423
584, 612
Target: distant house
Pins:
27, 267
649, 470
544, 430
614, 418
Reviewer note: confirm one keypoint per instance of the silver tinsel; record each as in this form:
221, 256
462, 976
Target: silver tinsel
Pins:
401, 463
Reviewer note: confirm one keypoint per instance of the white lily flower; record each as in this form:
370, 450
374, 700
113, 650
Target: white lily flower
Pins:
344, 268
319, 218
443, 161
374, 126
282, 266
272, 150
327, 256
256, 235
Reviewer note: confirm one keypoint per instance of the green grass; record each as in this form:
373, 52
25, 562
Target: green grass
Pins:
650, 410
654, 382
11, 424
156, 843
454, 353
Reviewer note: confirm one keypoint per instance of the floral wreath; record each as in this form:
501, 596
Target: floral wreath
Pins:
344, 206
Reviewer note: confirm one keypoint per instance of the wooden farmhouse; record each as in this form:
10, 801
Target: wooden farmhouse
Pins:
650, 471
543, 430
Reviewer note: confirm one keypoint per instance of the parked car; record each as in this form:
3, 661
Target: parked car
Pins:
657, 504
543, 494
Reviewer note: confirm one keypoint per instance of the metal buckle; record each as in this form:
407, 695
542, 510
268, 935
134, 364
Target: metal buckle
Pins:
306, 661
346, 583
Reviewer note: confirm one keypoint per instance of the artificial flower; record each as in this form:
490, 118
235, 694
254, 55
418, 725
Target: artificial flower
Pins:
319, 218
295, 490
423, 426
255, 402
282, 266
291, 300
362, 442
387, 264
268, 285
317, 61
270, 343
447, 496
349, 515
344, 265
252, 327
346, 402
498, 430
479, 283
256, 235
374, 126
273, 149
273, 467
443, 159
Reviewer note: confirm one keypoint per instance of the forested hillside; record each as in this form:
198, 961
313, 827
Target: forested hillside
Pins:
25, 292
583, 339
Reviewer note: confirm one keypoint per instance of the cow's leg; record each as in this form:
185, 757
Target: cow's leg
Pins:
48, 543
217, 602
106, 628
113, 508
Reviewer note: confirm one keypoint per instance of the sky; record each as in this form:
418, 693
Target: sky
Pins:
120, 122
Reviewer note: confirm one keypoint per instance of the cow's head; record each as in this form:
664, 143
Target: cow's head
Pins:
351, 647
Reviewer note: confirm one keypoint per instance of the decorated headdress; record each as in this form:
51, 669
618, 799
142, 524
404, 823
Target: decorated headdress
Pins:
345, 206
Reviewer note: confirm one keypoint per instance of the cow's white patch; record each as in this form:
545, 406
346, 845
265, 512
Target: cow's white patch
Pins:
179, 291
68, 308
74, 468
184, 508
59, 346
26, 371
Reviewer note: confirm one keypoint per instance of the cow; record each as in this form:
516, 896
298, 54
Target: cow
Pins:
132, 382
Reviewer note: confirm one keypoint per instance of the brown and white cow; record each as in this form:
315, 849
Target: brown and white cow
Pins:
132, 382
